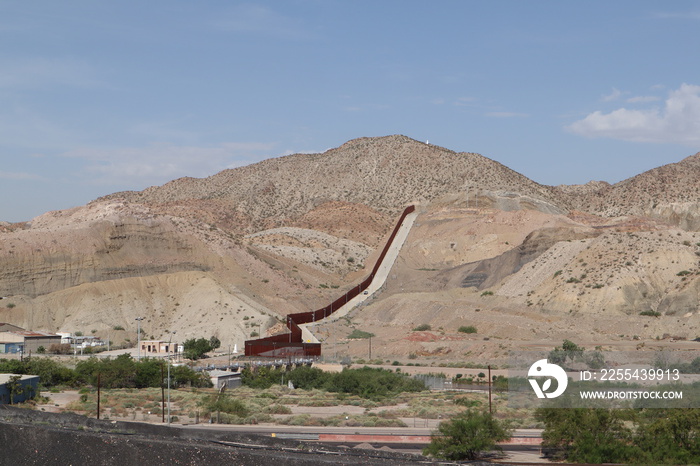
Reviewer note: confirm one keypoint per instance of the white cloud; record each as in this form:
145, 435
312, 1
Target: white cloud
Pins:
462, 101
159, 163
677, 122
614, 95
643, 99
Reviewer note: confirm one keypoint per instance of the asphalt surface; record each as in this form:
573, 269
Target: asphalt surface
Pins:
37, 438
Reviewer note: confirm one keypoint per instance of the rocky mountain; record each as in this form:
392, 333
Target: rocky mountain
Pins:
231, 254
669, 193
384, 173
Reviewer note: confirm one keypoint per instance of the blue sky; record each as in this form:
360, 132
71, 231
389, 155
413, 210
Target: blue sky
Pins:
104, 96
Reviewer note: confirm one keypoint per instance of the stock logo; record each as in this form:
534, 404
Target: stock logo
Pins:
542, 368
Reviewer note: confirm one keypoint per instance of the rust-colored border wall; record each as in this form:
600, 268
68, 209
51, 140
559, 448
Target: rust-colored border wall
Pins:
291, 344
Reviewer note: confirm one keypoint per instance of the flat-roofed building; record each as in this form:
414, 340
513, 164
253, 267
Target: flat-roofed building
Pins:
28, 387
29, 340
157, 347
229, 379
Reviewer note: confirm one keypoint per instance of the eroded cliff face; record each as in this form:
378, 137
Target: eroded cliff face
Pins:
685, 215
51, 256
95, 268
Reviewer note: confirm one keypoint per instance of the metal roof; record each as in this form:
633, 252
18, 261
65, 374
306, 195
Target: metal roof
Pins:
33, 334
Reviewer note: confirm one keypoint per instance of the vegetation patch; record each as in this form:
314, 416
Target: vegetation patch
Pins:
359, 334
467, 329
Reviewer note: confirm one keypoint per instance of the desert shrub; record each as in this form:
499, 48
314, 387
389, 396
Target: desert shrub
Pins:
467, 329
467, 436
277, 409
366, 382
224, 404
422, 328
650, 313
357, 334
58, 348
467, 402
372, 383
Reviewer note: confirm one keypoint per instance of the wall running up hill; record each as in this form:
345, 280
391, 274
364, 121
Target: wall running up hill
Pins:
292, 344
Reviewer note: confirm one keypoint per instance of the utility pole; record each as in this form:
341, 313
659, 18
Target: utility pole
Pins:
490, 406
169, 343
370, 347
162, 394
138, 336
98, 395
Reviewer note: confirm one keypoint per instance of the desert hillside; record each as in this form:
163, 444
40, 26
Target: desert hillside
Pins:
232, 254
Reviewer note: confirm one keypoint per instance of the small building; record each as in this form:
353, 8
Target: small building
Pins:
27, 341
225, 378
86, 341
158, 347
29, 386
66, 338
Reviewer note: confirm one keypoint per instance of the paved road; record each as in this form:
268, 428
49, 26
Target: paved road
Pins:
523, 446
397, 431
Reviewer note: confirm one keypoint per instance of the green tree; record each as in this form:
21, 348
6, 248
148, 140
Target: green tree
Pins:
183, 376
568, 350
214, 342
148, 373
372, 383
50, 372
308, 378
262, 377
14, 386
669, 436
588, 435
196, 348
466, 436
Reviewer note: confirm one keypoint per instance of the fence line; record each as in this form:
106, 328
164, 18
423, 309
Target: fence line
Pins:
292, 343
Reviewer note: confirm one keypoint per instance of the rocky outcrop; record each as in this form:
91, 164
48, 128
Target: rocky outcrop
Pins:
103, 250
491, 272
